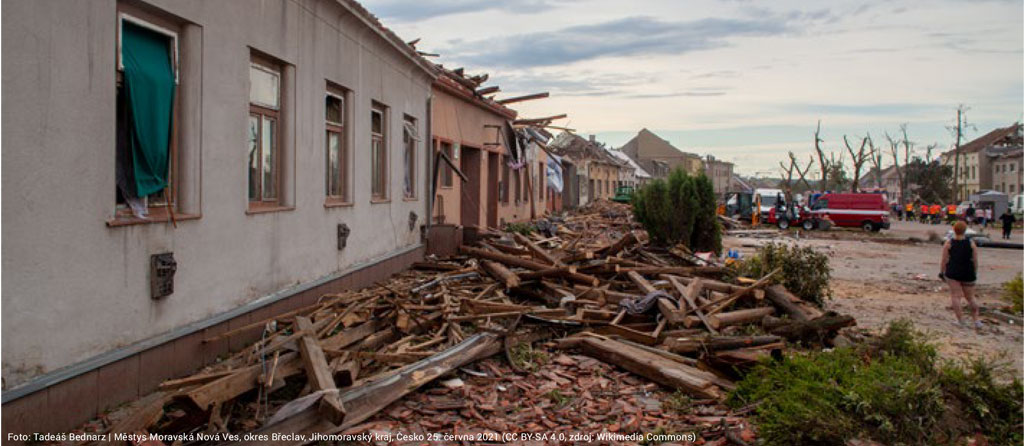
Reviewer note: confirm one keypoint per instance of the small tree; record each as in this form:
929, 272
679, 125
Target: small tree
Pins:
707, 233
680, 210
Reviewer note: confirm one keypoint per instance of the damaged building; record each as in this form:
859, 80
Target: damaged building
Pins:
228, 161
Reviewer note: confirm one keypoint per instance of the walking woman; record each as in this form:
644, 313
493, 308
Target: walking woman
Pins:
960, 270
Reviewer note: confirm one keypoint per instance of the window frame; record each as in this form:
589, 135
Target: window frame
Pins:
262, 112
410, 149
447, 179
340, 129
383, 163
157, 212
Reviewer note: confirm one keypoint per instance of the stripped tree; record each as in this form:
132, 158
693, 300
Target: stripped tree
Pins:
900, 165
822, 161
858, 159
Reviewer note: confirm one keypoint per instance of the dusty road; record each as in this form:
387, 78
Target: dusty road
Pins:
878, 278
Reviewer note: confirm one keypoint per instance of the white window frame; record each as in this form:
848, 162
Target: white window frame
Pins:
125, 17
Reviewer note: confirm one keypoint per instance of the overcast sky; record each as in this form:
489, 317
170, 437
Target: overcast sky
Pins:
743, 80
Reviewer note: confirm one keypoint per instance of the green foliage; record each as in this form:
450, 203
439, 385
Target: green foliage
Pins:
895, 391
1013, 292
805, 272
522, 228
678, 402
526, 358
934, 180
680, 210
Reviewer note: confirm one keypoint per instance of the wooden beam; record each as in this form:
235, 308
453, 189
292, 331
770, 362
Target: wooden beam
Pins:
528, 97
318, 371
500, 273
371, 396
540, 120
652, 366
488, 90
537, 251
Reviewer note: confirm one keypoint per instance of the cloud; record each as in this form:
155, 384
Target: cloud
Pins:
890, 109
404, 10
630, 36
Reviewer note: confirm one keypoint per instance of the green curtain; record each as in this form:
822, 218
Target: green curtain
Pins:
149, 83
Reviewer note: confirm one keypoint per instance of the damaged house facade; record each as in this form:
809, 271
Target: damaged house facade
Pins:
596, 171
503, 167
659, 157
176, 170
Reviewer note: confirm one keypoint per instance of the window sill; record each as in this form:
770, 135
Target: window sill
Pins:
268, 209
448, 187
117, 222
380, 200
338, 204
410, 199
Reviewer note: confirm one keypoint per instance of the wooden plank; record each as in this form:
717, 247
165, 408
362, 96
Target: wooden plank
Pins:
318, 371
782, 298
689, 295
365, 399
651, 366
717, 343
537, 251
528, 97
243, 380
500, 273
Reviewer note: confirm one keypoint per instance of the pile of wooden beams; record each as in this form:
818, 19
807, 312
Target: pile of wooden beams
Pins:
595, 288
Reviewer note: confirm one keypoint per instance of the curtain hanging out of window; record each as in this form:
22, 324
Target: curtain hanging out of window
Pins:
149, 84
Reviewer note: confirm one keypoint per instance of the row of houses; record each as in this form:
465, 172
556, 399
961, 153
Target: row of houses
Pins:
991, 162
174, 171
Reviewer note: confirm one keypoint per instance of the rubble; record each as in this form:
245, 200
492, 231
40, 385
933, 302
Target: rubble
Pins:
619, 317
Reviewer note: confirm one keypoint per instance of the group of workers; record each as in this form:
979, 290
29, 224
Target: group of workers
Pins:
934, 213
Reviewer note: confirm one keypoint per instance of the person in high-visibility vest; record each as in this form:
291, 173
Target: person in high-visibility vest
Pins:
924, 213
910, 212
936, 213
951, 213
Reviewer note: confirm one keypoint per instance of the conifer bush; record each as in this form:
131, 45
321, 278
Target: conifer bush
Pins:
680, 209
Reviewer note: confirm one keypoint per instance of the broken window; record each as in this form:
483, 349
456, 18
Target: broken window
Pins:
263, 132
337, 151
378, 153
505, 180
409, 140
447, 179
146, 96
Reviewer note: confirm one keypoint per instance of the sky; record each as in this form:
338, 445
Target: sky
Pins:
744, 80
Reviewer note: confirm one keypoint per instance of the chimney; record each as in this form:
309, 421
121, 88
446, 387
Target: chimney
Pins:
593, 138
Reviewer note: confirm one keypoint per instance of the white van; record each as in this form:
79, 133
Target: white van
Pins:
769, 197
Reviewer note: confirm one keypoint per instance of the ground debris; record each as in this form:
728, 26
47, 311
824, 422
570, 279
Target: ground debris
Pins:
601, 333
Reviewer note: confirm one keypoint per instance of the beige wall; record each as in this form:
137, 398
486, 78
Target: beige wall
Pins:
1005, 180
457, 120
604, 177
75, 287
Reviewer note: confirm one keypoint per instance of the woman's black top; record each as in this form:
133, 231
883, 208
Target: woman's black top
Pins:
961, 261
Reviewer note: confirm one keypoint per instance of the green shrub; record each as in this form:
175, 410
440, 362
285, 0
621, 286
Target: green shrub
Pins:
895, 390
1013, 292
680, 209
522, 228
804, 271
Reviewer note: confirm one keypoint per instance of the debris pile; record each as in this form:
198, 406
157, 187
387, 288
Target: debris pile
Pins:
586, 289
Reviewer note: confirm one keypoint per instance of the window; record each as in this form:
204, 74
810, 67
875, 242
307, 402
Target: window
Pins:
146, 164
336, 147
503, 194
447, 178
542, 179
1011, 188
1011, 167
378, 153
264, 140
518, 185
409, 139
